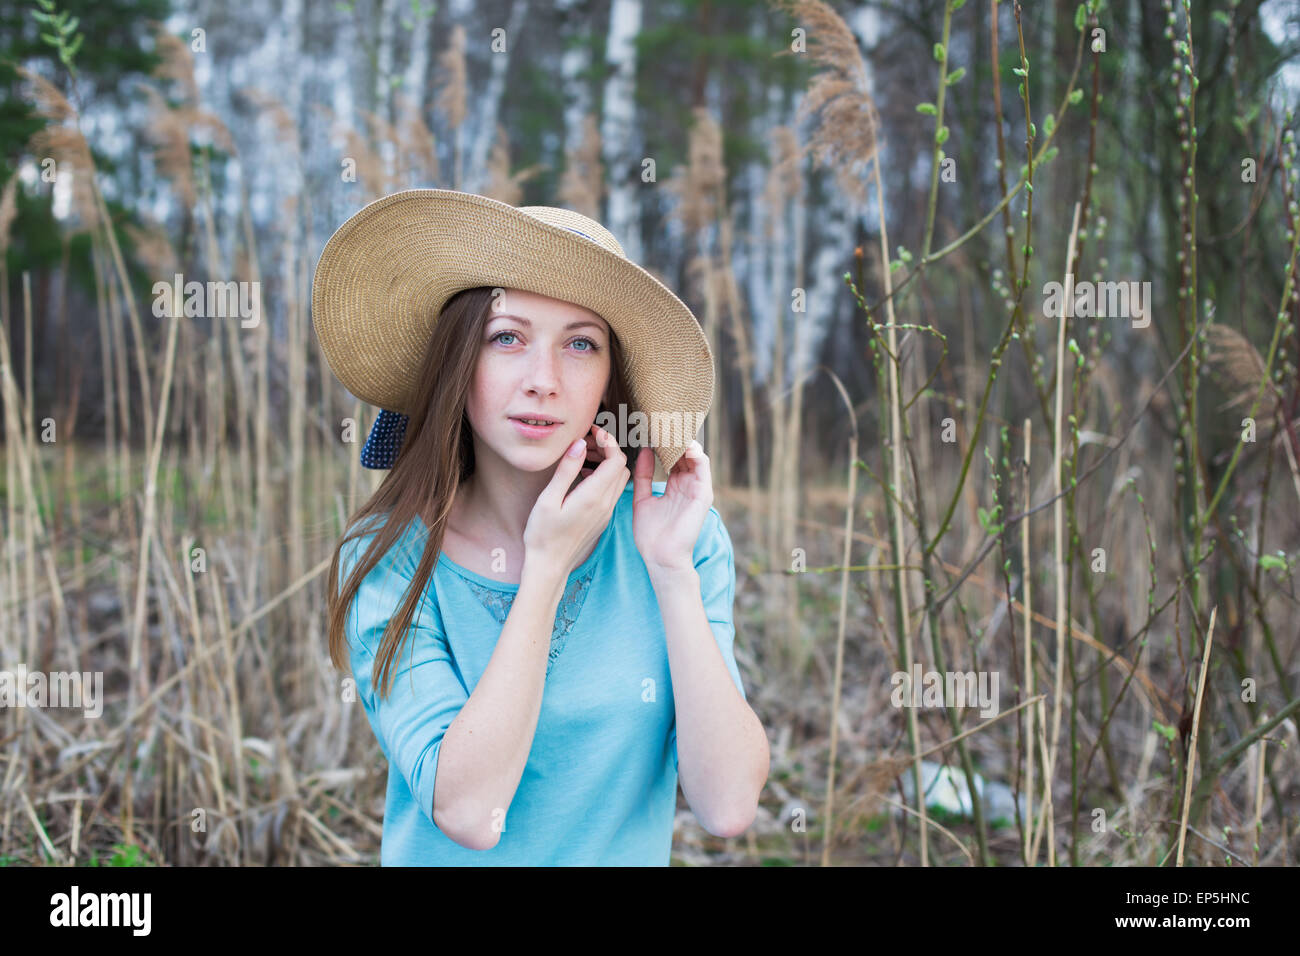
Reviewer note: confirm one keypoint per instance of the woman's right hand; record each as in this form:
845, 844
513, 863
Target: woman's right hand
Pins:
564, 524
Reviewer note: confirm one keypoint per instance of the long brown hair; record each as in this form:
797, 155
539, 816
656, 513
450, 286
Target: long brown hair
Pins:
437, 454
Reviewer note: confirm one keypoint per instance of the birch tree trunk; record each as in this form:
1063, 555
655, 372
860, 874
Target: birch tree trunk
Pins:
618, 135
577, 97
417, 68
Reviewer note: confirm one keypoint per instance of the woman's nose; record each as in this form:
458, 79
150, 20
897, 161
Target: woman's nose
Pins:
541, 376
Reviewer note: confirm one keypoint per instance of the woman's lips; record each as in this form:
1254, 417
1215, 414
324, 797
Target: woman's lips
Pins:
534, 431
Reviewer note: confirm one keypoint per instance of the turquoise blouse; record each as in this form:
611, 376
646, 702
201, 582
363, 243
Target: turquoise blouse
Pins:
600, 784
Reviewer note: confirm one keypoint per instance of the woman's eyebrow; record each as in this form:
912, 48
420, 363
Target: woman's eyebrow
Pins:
572, 325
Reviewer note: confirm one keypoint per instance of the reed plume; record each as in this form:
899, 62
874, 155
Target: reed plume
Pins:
846, 134
583, 184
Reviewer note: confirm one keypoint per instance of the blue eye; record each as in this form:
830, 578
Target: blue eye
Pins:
592, 346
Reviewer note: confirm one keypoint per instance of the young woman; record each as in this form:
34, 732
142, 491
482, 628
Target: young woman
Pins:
542, 649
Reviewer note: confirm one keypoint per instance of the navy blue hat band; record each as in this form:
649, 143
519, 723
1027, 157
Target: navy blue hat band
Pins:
385, 441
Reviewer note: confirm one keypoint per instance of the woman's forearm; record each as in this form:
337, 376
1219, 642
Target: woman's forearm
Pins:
722, 751
485, 749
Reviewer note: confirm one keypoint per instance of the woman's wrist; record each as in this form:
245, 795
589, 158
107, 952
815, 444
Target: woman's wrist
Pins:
543, 577
671, 576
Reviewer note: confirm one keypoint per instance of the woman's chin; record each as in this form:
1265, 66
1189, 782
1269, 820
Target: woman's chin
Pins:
536, 459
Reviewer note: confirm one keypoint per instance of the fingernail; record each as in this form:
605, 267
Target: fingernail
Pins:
576, 448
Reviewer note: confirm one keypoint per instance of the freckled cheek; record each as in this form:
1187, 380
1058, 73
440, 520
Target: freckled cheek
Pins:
590, 379
485, 398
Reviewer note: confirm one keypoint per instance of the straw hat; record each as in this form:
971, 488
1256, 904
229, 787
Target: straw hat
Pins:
385, 274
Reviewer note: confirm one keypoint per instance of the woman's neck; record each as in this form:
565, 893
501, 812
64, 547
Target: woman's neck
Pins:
497, 510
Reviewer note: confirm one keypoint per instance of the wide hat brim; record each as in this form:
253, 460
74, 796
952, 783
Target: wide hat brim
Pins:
385, 274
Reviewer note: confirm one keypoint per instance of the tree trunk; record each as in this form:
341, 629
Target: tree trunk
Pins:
618, 136
489, 105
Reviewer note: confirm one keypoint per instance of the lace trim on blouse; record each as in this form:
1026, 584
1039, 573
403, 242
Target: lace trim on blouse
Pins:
498, 604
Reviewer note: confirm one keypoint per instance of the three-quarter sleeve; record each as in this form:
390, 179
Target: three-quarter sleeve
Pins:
715, 564
425, 693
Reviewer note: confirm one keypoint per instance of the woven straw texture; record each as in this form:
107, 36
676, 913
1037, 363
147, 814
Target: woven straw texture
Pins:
385, 274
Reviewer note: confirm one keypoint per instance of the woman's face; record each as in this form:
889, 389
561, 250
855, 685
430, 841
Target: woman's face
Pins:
540, 358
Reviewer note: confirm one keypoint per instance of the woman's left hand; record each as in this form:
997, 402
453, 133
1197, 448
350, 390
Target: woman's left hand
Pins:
666, 527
